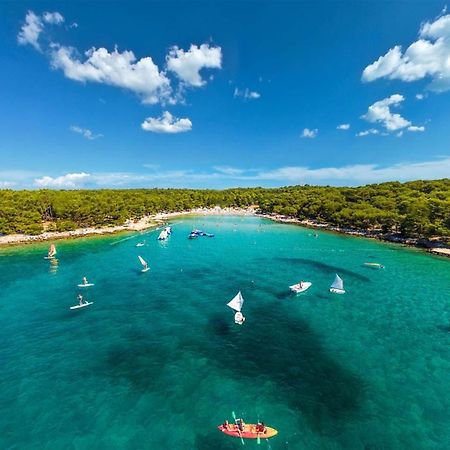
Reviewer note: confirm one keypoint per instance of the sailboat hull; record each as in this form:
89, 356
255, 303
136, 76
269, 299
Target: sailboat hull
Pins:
337, 291
248, 433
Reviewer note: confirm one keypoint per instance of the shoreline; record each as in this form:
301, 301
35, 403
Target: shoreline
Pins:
156, 220
144, 223
420, 243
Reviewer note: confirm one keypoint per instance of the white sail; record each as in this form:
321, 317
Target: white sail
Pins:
52, 250
338, 283
237, 302
163, 235
142, 260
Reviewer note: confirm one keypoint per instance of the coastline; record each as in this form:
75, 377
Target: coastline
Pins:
146, 222
156, 220
431, 246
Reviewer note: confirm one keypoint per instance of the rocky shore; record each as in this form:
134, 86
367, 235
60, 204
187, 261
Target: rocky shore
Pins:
435, 246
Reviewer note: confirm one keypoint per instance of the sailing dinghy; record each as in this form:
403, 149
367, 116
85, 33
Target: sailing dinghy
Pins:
300, 287
338, 285
236, 305
51, 252
144, 264
163, 235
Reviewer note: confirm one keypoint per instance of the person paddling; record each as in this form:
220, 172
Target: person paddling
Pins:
85, 281
80, 299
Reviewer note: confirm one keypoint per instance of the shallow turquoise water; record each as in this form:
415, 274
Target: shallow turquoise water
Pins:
157, 362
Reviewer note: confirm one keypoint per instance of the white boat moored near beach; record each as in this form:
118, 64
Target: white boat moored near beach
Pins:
302, 286
236, 304
338, 285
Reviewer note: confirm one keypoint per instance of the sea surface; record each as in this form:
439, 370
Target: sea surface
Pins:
157, 361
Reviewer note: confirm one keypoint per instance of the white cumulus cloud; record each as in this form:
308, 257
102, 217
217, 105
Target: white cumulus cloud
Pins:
380, 112
70, 180
85, 132
120, 69
414, 128
31, 30
343, 126
367, 132
54, 18
187, 64
166, 124
307, 133
429, 56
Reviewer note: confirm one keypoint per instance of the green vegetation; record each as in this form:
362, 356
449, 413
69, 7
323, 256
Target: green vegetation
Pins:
415, 209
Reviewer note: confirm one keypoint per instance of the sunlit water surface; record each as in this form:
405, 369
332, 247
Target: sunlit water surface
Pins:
157, 362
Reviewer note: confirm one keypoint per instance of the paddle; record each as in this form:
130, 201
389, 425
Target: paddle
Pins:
239, 431
258, 439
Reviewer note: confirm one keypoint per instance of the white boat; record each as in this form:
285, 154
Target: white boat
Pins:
236, 304
51, 252
83, 305
163, 235
168, 230
374, 265
144, 264
300, 287
338, 285
140, 244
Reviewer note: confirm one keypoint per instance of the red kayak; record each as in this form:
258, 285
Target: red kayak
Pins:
250, 431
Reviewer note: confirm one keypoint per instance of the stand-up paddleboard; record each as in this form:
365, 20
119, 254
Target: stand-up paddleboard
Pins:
81, 306
297, 288
249, 431
85, 285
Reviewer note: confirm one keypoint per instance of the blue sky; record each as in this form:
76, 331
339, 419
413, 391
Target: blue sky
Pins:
221, 94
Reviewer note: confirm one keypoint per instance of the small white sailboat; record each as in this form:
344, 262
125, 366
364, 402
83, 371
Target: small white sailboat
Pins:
236, 304
51, 252
144, 264
302, 286
163, 235
338, 285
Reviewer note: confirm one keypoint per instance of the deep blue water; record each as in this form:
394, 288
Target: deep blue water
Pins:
157, 361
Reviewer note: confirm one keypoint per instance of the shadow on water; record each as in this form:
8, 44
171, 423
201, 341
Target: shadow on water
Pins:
444, 328
289, 354
212, 441
323, 266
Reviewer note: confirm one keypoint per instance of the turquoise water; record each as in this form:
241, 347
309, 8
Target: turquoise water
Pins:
157, 362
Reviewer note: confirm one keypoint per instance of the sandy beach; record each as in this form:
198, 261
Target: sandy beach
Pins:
144, 223
159, 219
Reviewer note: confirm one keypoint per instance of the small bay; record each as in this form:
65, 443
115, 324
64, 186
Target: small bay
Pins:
157, 361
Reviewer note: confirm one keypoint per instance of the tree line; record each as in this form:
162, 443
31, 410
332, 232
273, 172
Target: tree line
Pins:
413, 209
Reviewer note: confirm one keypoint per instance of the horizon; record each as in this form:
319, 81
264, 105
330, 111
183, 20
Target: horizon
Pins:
221, 95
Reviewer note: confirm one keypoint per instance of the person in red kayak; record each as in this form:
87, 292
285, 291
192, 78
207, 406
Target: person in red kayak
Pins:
260, 427
240, 423
226, 425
